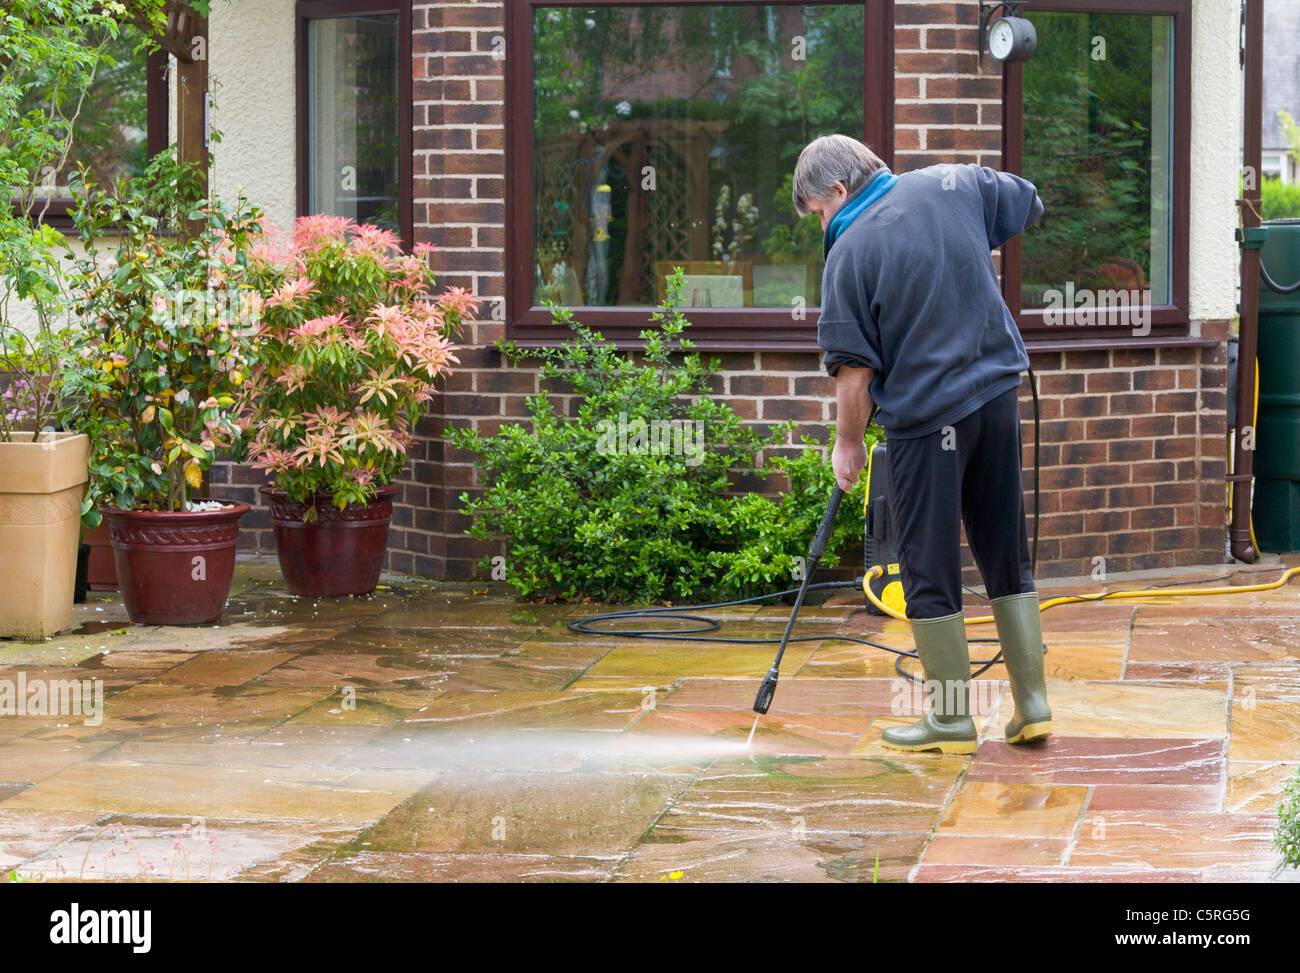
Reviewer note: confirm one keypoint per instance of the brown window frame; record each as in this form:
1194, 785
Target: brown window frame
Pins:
1170, 323
308, 10
712, 329
58, 212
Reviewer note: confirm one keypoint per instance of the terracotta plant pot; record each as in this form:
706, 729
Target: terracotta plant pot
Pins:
332, 552
101, 572
175, 568
41, 486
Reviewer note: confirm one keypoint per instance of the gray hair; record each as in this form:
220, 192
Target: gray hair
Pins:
827, 160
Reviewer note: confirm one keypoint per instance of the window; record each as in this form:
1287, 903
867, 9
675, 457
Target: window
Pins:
1099, 125
354, 112
119, 123
665, 135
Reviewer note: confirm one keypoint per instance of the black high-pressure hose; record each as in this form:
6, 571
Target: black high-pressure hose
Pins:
815, 551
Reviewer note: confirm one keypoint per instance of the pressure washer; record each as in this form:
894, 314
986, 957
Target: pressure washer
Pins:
881, 585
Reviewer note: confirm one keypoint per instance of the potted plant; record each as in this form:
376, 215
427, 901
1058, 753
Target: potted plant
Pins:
157, 368
348, 350
50, 54
43, 476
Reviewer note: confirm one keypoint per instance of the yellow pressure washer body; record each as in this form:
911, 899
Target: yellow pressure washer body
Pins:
878, 536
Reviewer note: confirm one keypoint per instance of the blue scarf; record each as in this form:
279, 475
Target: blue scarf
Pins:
881, 183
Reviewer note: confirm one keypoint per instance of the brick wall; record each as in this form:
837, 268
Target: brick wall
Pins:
1133, 450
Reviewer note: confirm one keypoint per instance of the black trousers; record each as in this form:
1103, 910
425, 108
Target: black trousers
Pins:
968, 473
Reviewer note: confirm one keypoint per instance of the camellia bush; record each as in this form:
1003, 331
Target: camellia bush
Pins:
348, 351
156, 367
632, 497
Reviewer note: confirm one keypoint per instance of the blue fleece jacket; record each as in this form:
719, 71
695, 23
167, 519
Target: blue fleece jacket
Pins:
910, 291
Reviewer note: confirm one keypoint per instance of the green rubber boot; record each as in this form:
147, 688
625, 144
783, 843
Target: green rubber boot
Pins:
947, 727
1020, 631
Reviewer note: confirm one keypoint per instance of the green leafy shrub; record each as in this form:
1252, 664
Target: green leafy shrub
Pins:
592, 507
1287, 836
1280, 201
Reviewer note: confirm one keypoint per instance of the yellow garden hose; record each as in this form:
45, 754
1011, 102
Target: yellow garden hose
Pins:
876, 571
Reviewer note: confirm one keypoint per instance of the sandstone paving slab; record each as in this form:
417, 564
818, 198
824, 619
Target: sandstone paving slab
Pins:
377, 707
1086, 616
505, 674
532, 709
655, 660
129, 659
775, 733
1092, 656
1264, 730
1140, 875
417, 644
1123, 708
244, 793
1061, 759
873, 627
1212, 675
434, 611
35, 760
254, 753
221, 668
1156, 797
151, 705
808, 695
434, 748
1257, 787
1263, 639
775, 855
563, 814
25, 834
113, 681
313, 735
814, 795
1173, 839
559, 655
21, 654
387, 866
1267, 680
631, 684
850, 660
176, 849
332, 669
960, 849
808, 614
987, 808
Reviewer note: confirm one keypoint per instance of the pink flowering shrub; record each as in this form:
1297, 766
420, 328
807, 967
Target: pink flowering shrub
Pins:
348, 350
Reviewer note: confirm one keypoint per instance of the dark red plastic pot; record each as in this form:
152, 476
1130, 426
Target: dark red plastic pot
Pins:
175, 568
101, 574
329, 553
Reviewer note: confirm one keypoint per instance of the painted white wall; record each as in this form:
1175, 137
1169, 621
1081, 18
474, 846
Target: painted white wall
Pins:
251, 67
1215, 159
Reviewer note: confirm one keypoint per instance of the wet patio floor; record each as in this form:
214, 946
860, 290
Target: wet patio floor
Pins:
447, 732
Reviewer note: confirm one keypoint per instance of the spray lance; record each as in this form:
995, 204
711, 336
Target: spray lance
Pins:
815, 551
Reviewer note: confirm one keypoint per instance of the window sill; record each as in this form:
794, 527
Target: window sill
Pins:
801, 345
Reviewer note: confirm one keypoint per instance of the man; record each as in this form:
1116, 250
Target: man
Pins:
913, 320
